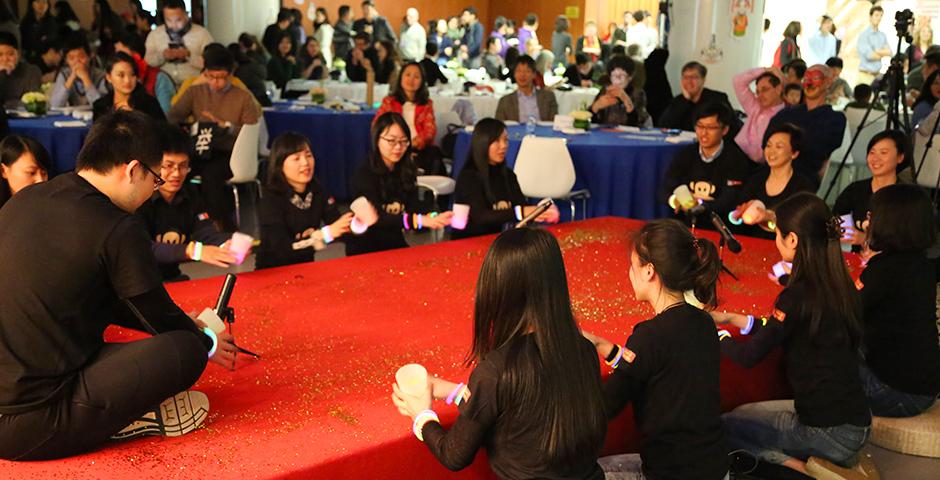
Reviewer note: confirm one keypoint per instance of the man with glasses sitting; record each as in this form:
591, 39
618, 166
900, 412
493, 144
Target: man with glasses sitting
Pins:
712, 169
219, 111
176, 217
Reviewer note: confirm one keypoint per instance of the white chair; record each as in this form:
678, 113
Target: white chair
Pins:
244, 163
545, 170
437, 185
856, 165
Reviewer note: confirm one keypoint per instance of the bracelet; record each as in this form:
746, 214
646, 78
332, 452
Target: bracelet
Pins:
215, 340
450, 398
327, 236
197, 251
518, 209
420, 221
433, 214
615, 361
404, 221
723, 334
750, 324
421, 420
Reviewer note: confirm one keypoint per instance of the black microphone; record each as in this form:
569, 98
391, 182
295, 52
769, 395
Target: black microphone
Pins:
227, 286
544, 205
726, 235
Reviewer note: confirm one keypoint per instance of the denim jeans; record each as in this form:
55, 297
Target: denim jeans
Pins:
886, 401
773, 432
627, 466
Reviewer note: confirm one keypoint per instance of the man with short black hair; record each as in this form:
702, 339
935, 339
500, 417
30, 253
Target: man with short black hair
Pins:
76, 260
176, 46
361, 58
48, 58
679, 112
471, 47
915, 78
272, 34
342, 33
527, 101
432, 71
581, 73
839, 88
528, 31
374, 25
16, 77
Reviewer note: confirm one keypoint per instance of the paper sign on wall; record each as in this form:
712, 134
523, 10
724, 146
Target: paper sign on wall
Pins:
572, 12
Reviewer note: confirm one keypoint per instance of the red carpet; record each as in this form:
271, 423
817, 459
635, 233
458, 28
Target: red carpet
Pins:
332, 334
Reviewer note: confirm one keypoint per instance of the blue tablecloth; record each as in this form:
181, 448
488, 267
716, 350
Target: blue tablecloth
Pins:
340, 141
622, 170
63, 143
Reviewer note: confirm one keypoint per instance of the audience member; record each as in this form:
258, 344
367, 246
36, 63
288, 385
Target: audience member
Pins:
126, 93
679, 113
312, 63
38, 26
78, 81
658, 91
589, 43
862, 94
105, 28
23, 162
410, 99
323, 33
252, 48
9, 23
794, 71
528, 30
437, 35
283, 66
176, 46
640, 34
361, 59
251, 73
48, 59
500, 27
133, 45
343, 33
581, 73
374, 25
527, 101
927, 98
16, 77
840, 88
923, 40
917, 74
492, 62
872, 47
387, 62
759, 107
619, 102
822, 45
413, 37
792, 94
789, 49
471, 45
273, 34
562, 43
432, 71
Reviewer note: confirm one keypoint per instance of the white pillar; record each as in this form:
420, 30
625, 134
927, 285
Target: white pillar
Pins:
691, 33
227, 19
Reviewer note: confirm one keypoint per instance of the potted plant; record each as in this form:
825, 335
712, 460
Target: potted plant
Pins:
582, 119
318, 95
35, 102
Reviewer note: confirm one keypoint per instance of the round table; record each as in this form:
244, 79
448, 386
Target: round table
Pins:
63, 142
621, 169
340, 141
485, 105
349, 91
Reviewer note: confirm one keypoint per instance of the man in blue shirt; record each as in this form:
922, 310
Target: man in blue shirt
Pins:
472, 44
872, 47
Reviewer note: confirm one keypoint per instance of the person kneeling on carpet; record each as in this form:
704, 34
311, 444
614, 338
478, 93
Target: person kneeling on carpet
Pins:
76, 259
534, 399
295, 206
668, 368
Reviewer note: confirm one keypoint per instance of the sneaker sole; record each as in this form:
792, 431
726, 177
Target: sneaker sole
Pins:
176, 416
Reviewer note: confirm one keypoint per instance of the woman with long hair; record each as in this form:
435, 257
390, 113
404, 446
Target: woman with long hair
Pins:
38, 26
927, 98
534, 398
411, 99
313, 64
923, 40
23, 162
388, 180
387, 62
323, 31
106, 27
788, 49
283, 66
126, 93
488, 186
295, 206
668, 367
817, 320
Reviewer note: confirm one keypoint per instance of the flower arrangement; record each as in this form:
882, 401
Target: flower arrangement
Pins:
560, 70
318, 95
35, 102
339, 64
582, 119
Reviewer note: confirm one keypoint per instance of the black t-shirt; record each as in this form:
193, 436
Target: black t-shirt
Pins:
497, 422
69, 259
899, 294
715, 182
173, 225
392, 198
285, 217
673, 384
755, 188
855, 199
681, 112
488, 213
823, 132
823, 373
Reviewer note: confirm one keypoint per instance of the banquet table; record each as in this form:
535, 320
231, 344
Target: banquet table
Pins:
331, 335
63, 143
622, 170
339, 140
350, 91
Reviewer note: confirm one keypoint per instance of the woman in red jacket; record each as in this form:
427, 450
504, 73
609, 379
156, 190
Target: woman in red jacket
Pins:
410, 98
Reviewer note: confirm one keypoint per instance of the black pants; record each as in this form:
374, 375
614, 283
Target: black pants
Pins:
120, 384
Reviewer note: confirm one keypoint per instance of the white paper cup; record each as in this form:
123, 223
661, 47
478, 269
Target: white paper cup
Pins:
412, 379
461, 216
364, 211
240, 245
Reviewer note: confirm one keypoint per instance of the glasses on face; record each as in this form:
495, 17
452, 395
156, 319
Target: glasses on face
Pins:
158, 181
394, 142
709, 128
174, 167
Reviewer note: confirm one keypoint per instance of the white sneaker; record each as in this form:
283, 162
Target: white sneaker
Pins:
175, 416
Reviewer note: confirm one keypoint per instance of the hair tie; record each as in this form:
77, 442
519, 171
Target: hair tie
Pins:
834, 229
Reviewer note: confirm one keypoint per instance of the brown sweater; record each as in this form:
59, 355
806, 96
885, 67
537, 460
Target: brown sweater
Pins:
235, 105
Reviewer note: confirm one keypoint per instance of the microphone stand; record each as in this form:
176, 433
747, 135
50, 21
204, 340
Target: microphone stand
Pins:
227, 315
721, 261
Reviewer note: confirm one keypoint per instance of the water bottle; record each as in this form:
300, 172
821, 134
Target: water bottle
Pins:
530, 125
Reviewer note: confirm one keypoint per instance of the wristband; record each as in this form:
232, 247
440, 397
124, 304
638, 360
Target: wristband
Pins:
215, 340
613, 360
420, 221
327, 236
404, 221
750, 324
197, 251
450, 398
433, 214
421, 420
723, 334
518, 209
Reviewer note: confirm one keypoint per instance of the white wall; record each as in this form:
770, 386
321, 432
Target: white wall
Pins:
229, 18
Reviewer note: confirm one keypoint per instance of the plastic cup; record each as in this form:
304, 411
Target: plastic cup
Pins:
461, 216
684, 197
240, 245
412, 379
364, 211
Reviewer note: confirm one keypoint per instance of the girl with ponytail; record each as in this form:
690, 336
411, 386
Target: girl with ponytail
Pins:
669, 366
817, 321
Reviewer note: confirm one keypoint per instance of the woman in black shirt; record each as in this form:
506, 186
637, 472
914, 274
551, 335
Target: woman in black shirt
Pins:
534, 398
901, 371
817, 320
488, 186
669, 366
125, 92
776, 183
294, 206
886, 152
23, 162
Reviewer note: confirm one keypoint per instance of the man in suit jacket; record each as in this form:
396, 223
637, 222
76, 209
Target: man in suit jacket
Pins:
681, 110
374, 25
527, 101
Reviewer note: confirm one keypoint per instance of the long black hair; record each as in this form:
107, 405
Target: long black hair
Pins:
522, 295
421, 96
682, 261
283, 146
902, 219
818, 267
485, 132
926, 94
405, 170
12, 147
